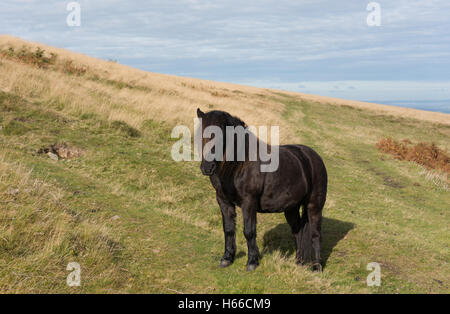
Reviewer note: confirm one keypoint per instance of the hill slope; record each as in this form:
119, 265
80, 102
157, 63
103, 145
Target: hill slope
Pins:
136, 221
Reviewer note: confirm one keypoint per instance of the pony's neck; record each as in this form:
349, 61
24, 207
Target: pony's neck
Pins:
229, 168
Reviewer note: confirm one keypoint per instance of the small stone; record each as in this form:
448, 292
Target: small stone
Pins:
52, 156
115, 217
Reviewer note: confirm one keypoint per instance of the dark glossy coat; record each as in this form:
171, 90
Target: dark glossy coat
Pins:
300, 181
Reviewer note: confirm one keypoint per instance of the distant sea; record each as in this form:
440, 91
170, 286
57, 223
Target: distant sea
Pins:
430, 105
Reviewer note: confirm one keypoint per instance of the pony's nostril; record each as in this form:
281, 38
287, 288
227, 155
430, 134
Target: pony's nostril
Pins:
208, 168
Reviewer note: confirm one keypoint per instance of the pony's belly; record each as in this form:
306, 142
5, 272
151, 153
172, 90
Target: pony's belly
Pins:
275, 205
270, 210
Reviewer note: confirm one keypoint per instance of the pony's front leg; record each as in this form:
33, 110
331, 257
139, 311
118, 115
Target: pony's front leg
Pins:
249, 214
229, 229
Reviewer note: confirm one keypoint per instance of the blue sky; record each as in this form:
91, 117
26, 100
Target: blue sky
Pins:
318, 47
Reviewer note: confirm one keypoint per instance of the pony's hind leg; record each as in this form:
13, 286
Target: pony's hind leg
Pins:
314, 212
296, 223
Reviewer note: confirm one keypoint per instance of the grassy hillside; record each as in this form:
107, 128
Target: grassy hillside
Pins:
136, 221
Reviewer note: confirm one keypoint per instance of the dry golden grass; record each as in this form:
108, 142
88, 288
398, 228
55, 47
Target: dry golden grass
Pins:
155, 99
163, 97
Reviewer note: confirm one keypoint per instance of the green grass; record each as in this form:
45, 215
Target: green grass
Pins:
168, 238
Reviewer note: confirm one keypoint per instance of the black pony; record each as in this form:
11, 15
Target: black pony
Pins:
300, 180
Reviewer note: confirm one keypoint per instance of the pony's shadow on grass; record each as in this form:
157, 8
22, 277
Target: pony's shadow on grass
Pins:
281, 239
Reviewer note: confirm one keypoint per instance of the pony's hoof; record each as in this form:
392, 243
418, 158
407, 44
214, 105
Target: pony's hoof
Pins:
225, 263
251, 267
317, 268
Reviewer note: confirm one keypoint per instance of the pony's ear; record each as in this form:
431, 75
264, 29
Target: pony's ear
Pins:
200, 113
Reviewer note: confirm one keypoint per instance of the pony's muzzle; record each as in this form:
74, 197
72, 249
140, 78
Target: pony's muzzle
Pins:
208, 168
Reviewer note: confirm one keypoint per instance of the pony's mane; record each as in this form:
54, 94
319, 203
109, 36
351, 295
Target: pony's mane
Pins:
230, 167
229, 119
235, 121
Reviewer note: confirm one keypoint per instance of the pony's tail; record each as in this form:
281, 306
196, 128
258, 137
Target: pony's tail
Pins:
306, 249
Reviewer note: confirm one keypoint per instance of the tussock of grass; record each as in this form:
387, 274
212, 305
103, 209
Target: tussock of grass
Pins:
125, 128
15, 128
69, 67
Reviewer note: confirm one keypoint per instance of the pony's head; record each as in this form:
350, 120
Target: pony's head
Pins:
216, 145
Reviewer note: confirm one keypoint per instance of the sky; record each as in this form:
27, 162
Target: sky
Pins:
319, 47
